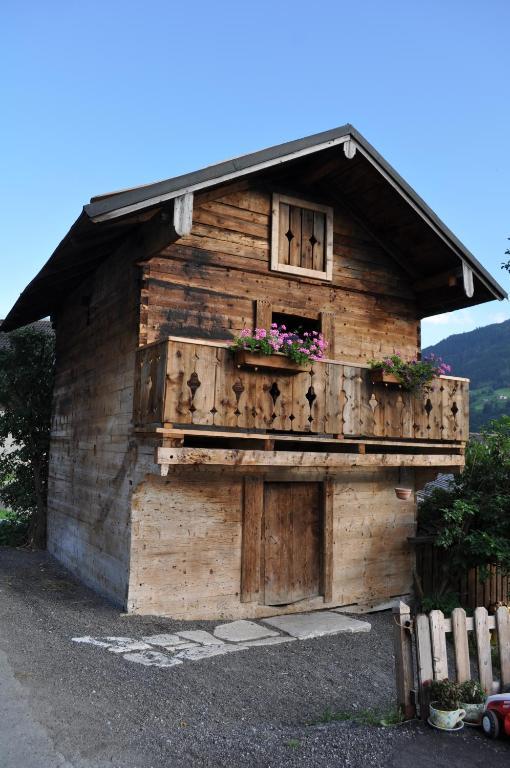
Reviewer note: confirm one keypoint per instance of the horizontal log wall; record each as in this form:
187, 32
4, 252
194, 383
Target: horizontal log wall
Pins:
207, 283
92, 460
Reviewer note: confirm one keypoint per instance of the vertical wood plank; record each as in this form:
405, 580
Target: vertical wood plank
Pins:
438, 640
263, 314
327, 328
319, 248
180, 366
460, 640
229, 394
352, 400
295, 243
483, 649
333, 423
203, 377
328, 543
300, 405
318, 383
424, 660
403, 659
306, 238
283, 228
503, 627
251, 539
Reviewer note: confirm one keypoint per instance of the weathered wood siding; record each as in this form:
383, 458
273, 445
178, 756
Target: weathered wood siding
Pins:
206, 284
187, 544
92, 459
372, 557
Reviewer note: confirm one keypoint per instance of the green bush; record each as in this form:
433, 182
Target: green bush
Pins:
26, 385
471, 692
473, 517
446, 694
13, 528
445, 603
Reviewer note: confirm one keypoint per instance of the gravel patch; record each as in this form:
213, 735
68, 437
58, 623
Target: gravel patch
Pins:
264, 706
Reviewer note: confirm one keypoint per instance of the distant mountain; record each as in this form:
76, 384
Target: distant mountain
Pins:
483, 355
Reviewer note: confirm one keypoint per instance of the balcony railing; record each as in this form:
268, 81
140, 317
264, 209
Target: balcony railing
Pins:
185, 383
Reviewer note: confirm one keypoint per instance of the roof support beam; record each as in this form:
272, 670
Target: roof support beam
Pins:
183, 214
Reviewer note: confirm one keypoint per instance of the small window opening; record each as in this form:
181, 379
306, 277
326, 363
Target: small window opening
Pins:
296, 323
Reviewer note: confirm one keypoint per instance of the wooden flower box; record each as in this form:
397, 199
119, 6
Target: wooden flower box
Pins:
379, 376
243, 358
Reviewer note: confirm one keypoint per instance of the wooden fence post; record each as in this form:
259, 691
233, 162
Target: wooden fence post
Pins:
404, 659
424, 662
503, 627
483, 649
461, 645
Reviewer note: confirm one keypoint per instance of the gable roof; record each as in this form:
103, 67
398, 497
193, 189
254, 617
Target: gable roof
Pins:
353, 171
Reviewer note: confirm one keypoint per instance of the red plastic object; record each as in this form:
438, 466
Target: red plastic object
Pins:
496, 717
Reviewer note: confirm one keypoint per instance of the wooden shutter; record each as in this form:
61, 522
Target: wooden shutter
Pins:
302, 237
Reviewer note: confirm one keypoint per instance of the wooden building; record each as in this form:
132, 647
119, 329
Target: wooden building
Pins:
183, 485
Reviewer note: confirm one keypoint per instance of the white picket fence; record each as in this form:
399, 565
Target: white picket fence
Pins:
421, 652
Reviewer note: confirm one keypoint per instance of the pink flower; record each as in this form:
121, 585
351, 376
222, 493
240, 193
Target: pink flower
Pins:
245, 332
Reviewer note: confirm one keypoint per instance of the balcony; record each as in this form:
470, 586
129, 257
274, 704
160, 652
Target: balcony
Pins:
189, 388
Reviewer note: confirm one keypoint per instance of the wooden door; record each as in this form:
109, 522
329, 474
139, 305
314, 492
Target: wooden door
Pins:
292, 542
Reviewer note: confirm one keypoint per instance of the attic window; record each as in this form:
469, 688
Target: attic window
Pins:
302, 238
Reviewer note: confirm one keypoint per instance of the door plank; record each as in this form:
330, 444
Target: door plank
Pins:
292, 542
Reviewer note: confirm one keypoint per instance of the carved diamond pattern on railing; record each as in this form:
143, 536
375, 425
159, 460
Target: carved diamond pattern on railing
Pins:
193, 383
311, 397
199, 384
275, 394
238, 390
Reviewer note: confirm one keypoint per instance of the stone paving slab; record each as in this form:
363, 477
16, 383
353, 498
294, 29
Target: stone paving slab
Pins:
197, 644
165, 640
305, 626
201, 636
242, 630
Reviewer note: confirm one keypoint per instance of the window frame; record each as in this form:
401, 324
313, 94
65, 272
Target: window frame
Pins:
327, 210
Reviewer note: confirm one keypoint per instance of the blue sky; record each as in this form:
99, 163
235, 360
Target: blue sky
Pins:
98, 96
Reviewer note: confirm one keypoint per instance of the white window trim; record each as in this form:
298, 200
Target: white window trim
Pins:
275, 238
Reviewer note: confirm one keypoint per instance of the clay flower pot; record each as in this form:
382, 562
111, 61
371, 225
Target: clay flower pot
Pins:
403, 493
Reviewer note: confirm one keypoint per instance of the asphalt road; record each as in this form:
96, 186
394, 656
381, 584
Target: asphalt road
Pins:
72, 705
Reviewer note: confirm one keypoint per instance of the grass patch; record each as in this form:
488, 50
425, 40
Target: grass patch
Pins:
4, 513
375, 717
293, 743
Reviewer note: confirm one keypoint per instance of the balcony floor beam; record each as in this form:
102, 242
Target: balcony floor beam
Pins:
237, 458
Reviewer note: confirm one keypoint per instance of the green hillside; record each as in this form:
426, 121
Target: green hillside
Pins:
483, 355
